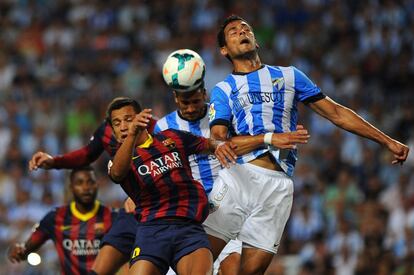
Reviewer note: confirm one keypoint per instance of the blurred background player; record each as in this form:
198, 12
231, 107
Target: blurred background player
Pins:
192, 116
117, 244
76, 229
256, 99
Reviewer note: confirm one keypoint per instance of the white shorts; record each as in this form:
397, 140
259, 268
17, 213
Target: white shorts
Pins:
251, 203
234, 246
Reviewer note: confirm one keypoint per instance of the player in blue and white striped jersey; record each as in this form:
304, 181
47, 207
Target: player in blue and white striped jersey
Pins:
192, 116
256, 195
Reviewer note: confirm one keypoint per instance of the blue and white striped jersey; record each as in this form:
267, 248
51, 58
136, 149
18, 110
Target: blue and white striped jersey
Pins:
263, 101
204, 168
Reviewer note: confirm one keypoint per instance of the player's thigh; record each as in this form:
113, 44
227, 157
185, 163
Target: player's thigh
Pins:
199, 261
144, 267
254, 261
109, 260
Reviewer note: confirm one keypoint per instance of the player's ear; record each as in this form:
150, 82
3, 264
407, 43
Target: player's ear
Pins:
175, 97
223, 51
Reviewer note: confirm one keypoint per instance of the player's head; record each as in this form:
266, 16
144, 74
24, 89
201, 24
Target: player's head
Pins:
191, 105
83, 185
120, 113
236, 38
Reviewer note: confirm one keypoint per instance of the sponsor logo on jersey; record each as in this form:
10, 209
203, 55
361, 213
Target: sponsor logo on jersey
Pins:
160, 165
81, 247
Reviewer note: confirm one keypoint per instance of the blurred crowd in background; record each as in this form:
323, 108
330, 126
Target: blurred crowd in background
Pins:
62, 61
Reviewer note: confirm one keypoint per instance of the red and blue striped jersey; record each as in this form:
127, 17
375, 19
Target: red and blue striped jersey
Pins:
76, 236
160, 180
103, 139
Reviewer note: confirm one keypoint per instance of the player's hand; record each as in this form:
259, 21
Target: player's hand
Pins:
225, 153
291, 139
17, 253
41, 160
129, 205
140, 122
399, 150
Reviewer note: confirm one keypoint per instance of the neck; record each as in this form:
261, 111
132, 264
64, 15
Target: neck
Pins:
247, 63
84, 208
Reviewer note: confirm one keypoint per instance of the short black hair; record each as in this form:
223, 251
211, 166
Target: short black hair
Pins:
199, 88
87, 168
221, 40
118, 103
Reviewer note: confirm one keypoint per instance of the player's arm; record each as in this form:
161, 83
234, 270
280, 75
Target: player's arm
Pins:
77, 158
244, 144
347, 119
72, 159
18, 252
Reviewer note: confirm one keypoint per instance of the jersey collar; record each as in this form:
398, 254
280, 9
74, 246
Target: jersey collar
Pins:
147, 143
244, 73
87, 215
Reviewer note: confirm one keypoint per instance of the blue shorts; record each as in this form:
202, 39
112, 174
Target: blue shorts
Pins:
165, 242
122, 233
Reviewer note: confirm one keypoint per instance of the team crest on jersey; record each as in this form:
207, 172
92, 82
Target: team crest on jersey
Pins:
278, 83
211, 112
99, 228
169, 143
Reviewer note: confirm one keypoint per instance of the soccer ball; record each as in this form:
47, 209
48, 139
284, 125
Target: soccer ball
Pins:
184, 70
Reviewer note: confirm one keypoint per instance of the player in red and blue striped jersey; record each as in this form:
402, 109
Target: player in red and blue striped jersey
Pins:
76, 228
155, 172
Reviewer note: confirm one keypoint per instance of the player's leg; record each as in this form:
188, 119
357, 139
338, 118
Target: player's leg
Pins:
227, 212
199, 261
192, 253
109, 260
268, 216
217, 245
144, 267
228, 262
116, 245
254, 261
153, 246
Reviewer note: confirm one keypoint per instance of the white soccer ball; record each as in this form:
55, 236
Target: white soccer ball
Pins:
184, 70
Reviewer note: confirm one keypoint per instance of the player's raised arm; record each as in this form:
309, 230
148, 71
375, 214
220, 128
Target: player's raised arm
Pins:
347, 119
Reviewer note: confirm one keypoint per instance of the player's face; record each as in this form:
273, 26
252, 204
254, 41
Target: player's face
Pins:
120, 120
84, 187
192, 106
239, 38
